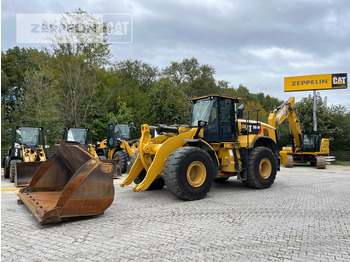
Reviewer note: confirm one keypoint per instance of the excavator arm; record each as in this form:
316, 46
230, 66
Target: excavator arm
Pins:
287, 110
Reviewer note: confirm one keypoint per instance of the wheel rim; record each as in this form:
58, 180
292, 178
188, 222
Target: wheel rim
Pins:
265, 168
196, 174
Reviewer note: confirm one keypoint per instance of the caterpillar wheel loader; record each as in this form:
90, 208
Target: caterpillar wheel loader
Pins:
25, 154
81, 135
217, 144
121, 146
71, 183
307, 146
84, 137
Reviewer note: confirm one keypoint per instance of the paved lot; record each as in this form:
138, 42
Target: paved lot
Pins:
304, 216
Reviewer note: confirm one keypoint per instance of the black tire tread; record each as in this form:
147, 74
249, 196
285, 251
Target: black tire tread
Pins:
13, 169
123, 160
171, 170
252, 181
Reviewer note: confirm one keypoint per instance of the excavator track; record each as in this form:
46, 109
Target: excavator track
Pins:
289, 162
320, 162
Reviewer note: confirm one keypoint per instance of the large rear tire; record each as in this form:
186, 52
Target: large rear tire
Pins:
189, 173
122, 158
261, 168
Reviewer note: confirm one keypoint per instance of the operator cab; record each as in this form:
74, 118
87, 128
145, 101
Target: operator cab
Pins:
81, 135
311, 141
117, 132
219, 114
28, 136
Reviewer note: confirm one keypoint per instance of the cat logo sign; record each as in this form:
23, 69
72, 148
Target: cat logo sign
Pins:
316, 82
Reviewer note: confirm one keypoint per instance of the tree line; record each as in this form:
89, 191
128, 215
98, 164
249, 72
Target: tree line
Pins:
77, 85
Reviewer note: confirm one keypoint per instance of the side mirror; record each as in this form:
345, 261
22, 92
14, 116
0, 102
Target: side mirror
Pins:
240, 110
9, 131
62, 131
48, 132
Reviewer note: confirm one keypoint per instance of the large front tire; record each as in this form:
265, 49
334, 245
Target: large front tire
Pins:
13, 169
189, 173
6, 169
262, 168
122, 158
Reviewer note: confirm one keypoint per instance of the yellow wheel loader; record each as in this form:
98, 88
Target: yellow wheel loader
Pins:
307, 146
84, 137
25, 155
120, 144
217, 144
81, 135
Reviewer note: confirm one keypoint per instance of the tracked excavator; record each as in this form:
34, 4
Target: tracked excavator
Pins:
307, 146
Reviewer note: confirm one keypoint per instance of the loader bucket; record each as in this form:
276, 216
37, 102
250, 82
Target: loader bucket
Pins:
71, 183
25, 172
116, 171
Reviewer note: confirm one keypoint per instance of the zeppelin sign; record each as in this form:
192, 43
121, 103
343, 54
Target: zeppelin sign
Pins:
316, 82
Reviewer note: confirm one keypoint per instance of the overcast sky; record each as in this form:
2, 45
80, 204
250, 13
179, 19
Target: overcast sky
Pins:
252, 42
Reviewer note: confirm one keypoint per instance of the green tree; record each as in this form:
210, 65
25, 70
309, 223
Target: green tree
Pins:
77, 66
194, 79
39, 102
326, 124
168, 104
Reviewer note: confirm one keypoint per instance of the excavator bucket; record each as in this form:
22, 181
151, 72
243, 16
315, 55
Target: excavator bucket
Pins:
71, 183
25, 172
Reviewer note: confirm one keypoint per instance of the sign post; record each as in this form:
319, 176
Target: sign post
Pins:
316, 82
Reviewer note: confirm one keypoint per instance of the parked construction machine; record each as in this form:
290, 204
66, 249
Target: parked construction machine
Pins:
25, 154
307, 146
119, 144
218, 143
81, 135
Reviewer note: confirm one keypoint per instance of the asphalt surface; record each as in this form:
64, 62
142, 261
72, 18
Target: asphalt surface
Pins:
304, 216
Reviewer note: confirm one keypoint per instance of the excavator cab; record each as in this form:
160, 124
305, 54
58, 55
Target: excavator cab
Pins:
311, 141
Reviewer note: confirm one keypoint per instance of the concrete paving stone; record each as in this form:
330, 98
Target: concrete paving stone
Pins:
304, 216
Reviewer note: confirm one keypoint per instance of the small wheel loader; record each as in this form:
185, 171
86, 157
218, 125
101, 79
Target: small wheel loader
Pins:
81, 135
119, 144
307, 146
84, 137
25, 154
217, 144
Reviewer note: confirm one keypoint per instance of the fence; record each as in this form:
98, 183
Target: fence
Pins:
340, 155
